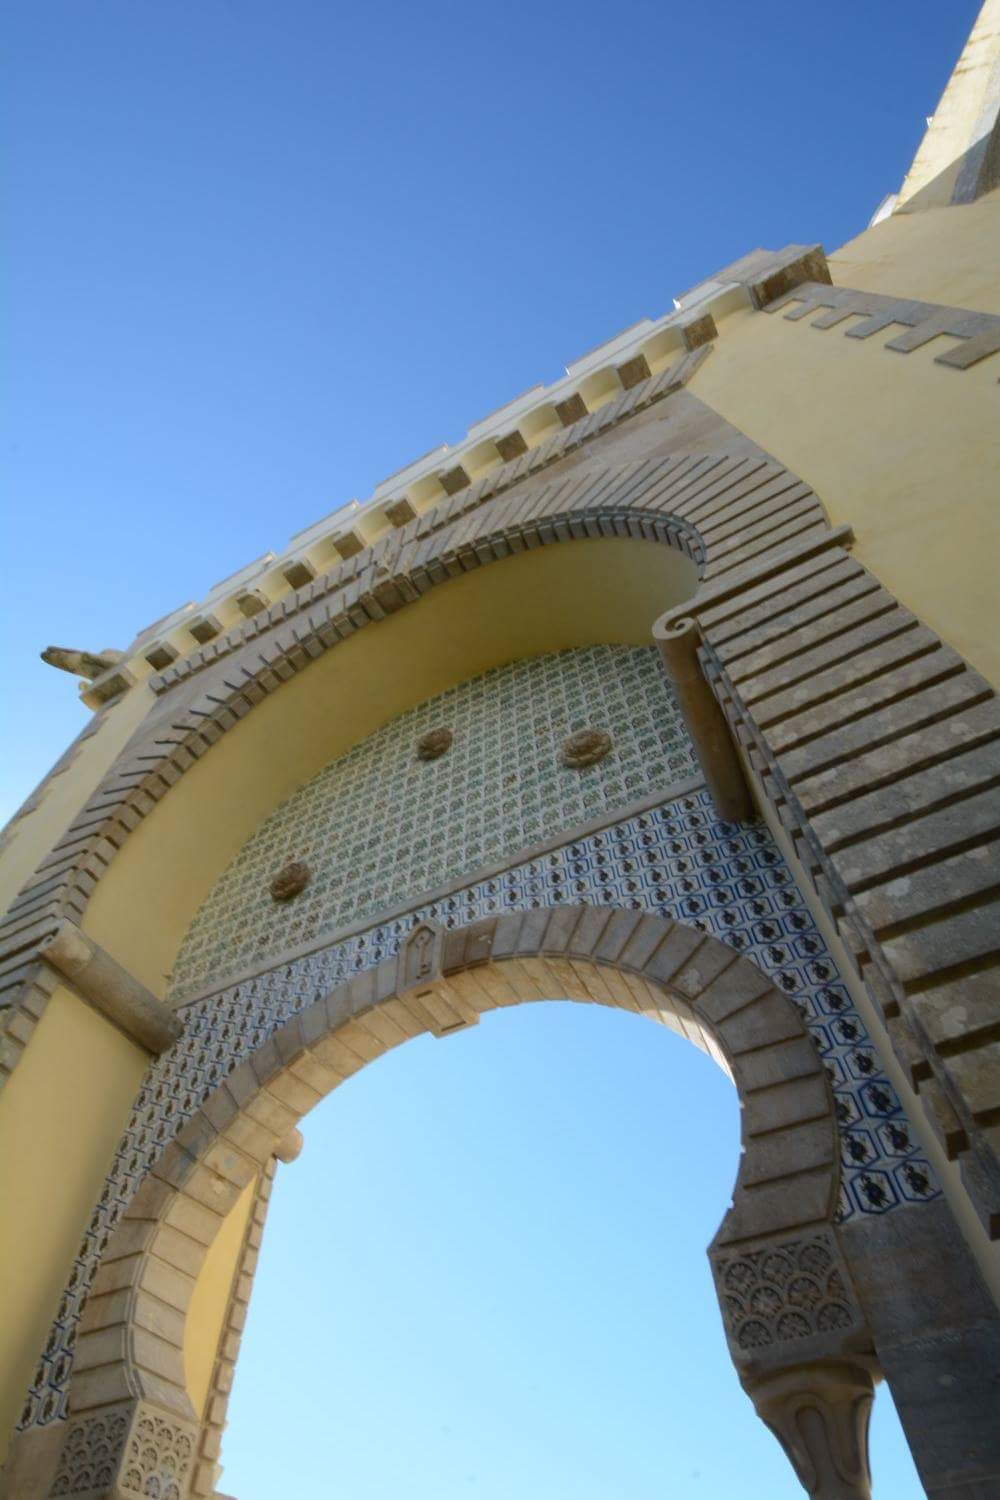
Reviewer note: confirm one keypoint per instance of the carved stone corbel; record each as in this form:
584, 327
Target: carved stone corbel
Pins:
819, 1413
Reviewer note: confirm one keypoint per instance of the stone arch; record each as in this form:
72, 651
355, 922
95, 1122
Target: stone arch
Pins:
720, 509
795, 1328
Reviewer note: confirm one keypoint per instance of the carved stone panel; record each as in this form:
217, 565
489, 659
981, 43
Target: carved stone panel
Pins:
132, 1449
781, 1291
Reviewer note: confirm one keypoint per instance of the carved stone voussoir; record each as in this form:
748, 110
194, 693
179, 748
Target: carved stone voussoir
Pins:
586, 748
434, 744
420, 957
291, 880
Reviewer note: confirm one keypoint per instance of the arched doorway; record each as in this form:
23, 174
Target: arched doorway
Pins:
795, 1328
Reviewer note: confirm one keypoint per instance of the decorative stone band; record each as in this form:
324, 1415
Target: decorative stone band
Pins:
879, 749
769, 279
979, 332
775, 1241
757, 278
723, 510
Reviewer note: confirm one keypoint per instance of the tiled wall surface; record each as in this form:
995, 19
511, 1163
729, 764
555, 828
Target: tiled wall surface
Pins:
380, 825
676, 859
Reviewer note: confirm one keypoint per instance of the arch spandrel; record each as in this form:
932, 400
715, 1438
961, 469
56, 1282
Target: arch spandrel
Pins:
784, 1198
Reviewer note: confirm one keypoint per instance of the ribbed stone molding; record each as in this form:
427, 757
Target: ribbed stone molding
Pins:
878, 748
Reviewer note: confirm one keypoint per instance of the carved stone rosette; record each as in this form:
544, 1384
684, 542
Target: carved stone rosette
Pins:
125, 1451
585, 748
290, 881
434, 743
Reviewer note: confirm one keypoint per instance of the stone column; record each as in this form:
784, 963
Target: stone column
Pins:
819, 1413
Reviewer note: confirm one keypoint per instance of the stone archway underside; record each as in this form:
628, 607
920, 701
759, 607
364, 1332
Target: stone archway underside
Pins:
785, 1290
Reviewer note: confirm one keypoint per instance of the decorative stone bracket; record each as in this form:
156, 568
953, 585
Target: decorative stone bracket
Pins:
111, 989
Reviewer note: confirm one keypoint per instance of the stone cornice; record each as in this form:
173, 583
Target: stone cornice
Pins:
378, 558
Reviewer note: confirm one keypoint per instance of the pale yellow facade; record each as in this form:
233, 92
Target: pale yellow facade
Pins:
903, 450
61, 1115
906, 450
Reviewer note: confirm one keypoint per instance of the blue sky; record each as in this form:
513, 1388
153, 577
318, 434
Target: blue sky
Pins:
485, 1279
259, 256
262, 254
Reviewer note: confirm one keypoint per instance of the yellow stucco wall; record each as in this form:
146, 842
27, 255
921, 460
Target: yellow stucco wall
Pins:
949, 255
210, 1299
906, 450
61, 1116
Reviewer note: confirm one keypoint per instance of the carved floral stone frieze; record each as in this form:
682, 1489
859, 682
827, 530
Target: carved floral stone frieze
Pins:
785, 1291
91, 1453
139, 1450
